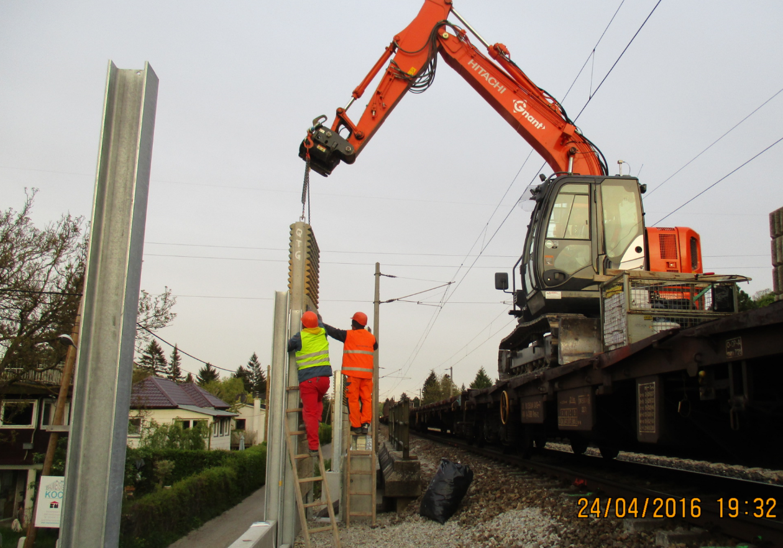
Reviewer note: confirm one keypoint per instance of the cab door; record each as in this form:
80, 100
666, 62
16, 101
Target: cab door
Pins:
567, 243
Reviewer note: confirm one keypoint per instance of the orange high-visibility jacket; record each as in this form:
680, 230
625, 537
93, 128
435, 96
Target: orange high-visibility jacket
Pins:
358, 353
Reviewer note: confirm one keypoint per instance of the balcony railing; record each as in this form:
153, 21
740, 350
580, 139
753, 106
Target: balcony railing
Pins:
49, 377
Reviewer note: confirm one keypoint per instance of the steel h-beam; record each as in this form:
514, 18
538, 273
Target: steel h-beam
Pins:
99, 428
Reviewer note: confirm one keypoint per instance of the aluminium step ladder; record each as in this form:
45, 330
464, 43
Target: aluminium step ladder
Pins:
301, 506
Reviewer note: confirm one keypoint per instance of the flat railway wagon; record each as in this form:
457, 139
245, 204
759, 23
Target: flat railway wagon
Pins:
669, 367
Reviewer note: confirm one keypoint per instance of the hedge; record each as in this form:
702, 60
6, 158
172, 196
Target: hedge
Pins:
186, 464
160, 518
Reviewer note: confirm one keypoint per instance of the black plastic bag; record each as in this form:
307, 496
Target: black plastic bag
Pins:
446, 491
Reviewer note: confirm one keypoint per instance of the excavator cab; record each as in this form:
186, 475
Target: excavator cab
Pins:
581, 227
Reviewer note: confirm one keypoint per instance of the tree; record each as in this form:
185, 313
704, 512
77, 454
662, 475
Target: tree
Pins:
175, 361
189, 378
241, 373
41, 276
482, 380
431, 389
153, 360
447, 387
256, 376
154, 314
206, 374
41, 281
229, 390
760, 299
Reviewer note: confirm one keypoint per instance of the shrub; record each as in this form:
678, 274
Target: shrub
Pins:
158, 519
324, 433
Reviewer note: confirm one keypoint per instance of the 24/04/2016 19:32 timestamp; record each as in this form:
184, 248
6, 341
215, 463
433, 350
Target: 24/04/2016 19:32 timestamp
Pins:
673, 508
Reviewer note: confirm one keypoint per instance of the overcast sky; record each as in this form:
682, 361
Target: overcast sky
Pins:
241, 81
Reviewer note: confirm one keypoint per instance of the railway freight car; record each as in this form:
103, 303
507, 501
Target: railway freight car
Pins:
669, 367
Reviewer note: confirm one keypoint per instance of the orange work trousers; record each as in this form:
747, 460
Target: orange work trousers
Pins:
359, 389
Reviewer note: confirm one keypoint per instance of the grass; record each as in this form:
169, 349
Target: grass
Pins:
45, 538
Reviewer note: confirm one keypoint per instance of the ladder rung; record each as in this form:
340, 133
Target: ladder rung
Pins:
297, 433
356, 453
293, 410
360, 473
359, 494
313, 504
360, 514
319, 529
310, 480
300, 457
291, 388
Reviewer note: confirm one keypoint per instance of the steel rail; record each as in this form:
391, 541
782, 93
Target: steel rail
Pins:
746, 527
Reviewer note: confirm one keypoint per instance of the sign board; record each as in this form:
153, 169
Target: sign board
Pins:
49, 503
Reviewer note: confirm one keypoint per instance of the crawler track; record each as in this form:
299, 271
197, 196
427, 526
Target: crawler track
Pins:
702, 499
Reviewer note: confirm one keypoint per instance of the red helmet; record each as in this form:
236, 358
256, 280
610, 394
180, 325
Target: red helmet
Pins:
309, 319
360, 318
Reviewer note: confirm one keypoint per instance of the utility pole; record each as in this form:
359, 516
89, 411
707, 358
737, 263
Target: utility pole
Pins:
375, 378
451, 380
58, 420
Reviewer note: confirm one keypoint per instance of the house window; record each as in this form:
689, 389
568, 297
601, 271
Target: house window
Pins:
185, 425
215, 429
241, 424
47, 413
18, 413
134, 427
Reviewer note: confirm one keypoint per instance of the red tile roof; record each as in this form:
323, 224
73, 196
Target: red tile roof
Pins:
160, 393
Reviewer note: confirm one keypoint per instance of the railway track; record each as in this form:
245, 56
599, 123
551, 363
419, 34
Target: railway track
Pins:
746, 510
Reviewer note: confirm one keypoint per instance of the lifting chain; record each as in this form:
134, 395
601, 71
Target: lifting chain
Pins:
308, 144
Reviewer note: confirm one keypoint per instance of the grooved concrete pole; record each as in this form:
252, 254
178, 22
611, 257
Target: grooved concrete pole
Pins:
101, 398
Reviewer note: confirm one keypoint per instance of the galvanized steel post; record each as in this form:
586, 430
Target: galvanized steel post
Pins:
276, 454
101, 397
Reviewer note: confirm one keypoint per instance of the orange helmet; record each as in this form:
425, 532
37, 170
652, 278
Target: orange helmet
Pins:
309, 319
360, 318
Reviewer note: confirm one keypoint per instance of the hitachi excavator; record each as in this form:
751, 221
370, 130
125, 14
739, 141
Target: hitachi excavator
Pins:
585, 224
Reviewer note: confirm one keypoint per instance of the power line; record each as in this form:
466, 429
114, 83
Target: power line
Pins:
590, 98
713, 143
251, 259
161, 339
719, 180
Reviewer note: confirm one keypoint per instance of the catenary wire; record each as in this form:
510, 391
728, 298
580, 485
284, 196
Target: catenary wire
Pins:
718, 181
647, 196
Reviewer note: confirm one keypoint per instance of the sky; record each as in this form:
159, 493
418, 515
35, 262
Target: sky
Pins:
432, 197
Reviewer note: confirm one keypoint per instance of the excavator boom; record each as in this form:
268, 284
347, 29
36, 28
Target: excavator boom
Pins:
532, 112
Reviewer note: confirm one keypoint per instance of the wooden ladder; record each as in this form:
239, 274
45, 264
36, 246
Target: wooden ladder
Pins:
354, 473
295, 458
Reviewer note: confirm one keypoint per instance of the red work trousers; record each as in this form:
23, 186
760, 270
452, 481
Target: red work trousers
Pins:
359, 389
312, 393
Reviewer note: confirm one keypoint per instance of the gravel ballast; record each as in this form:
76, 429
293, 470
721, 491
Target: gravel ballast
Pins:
505, 507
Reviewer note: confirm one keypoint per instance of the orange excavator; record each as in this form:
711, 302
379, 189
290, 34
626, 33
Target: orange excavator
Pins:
585, 224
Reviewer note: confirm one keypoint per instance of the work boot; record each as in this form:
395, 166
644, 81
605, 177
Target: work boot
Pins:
365, 428
356, 430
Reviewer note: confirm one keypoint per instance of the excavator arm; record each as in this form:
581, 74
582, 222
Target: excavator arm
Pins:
410, 62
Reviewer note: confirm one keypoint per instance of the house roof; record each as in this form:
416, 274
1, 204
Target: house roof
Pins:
159, 393
210, 412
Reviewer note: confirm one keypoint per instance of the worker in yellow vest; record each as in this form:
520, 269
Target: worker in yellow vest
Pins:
358, 347
312, 363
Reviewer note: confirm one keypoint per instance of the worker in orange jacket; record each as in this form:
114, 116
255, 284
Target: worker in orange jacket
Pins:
358, 347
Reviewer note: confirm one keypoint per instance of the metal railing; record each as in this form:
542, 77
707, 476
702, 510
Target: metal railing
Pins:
399, 427
49, 376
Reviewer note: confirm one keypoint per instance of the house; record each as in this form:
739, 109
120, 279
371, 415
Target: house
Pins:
167, 402
250, 422
26, 413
